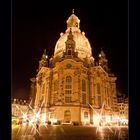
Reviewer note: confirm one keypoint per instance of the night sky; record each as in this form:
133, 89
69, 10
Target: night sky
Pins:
37, 26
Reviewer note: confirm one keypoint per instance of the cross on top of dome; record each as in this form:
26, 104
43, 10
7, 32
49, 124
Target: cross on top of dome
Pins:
72, 11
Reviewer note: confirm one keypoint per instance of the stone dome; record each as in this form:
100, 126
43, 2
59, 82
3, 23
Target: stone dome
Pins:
82, 45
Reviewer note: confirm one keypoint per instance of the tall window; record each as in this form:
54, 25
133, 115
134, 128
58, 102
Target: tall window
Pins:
99, 101
83, 92
68, 89
69, 52
43, 87
55, 85
55, 88
85, 115
98, 88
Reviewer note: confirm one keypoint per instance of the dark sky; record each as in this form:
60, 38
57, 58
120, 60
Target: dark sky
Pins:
37, 25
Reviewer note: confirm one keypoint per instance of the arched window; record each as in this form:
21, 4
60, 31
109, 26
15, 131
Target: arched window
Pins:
68, 79
69, 52
83, 85
67, 113
85, 115
83, 92
68, 89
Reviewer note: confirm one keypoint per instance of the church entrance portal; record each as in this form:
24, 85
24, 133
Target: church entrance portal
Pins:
67, 116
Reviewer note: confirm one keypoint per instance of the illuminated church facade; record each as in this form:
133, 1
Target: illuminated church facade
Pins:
70, 86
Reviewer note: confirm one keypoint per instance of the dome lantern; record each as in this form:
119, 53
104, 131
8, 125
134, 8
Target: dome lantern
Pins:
73, 21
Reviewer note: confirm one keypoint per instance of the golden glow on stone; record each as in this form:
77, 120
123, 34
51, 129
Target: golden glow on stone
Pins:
82, 45
61, 34
83, 33
93, 75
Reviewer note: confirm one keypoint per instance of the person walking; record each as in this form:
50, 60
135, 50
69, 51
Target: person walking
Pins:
37, 134
37, 126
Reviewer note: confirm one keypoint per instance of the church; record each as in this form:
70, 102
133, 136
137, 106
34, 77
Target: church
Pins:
71, 86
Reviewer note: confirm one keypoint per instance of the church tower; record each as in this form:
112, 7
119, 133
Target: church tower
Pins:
103, 62
70, 46
43, 61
